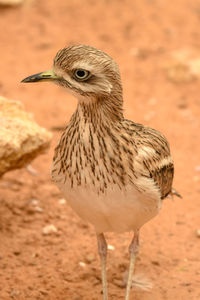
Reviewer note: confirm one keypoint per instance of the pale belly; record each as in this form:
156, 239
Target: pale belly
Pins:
115, 210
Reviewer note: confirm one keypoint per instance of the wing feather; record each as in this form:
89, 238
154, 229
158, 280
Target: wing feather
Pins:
153, 158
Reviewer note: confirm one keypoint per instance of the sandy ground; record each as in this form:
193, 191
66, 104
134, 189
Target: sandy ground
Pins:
141, 35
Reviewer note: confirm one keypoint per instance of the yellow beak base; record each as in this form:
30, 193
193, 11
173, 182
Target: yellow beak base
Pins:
43, 76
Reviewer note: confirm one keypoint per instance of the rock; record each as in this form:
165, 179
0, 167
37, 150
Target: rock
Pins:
155, 262
49, 229
11, 2
44, 292
198, 233
62, 201
90, 258
21, 139
39, 209
16, 252
31, 170
111, 247
82, 264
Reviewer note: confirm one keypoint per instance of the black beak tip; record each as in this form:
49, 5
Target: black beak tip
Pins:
31, 79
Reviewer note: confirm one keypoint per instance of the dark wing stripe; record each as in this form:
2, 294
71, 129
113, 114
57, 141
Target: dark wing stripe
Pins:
163, 177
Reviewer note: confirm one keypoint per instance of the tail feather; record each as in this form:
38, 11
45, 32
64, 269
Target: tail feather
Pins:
175, 193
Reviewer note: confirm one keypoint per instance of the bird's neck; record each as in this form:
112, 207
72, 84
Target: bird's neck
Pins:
101, 109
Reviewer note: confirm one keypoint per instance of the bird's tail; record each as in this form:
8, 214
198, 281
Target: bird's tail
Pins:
175, 193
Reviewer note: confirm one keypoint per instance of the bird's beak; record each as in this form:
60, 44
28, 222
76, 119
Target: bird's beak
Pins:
43, 76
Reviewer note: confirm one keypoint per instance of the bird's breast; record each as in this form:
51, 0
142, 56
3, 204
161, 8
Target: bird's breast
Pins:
95, 171
87, 157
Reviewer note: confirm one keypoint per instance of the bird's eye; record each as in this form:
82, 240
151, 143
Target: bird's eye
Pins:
81, 74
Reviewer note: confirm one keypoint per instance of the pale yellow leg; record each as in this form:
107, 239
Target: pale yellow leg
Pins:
102, 247
133, 249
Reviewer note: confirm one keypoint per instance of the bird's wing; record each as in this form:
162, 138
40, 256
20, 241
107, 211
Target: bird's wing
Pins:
163, 178
153, 158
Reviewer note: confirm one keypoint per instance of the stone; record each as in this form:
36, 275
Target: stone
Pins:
21, 138
49, 229
198, 233
11, 2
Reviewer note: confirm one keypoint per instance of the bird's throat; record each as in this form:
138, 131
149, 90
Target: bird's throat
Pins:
101, 109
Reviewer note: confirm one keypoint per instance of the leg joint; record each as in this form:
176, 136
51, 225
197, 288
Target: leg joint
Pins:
134, 246
102, 245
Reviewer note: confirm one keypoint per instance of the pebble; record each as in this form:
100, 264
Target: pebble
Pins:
155, 262
34, 201
119, 283
16, 252
38, 209
62, 201
90, 258
111, 247
44, 292
31, 170
49, 229
82, 264
198, 233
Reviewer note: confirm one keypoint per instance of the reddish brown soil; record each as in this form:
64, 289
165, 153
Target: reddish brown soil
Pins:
140, 35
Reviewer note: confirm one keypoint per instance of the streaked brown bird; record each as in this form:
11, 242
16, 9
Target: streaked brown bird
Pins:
114, 172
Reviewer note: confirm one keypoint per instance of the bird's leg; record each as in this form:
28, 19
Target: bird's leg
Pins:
133, 249
102, 247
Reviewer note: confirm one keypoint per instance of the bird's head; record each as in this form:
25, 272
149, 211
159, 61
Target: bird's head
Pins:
84, 71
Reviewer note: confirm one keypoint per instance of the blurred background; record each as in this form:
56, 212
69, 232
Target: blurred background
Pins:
156, 44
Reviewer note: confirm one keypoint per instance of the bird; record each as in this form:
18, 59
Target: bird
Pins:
115, 172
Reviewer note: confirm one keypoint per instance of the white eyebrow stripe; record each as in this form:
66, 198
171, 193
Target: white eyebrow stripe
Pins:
83, 65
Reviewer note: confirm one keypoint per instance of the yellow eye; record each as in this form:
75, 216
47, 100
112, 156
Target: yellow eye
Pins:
81, 74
